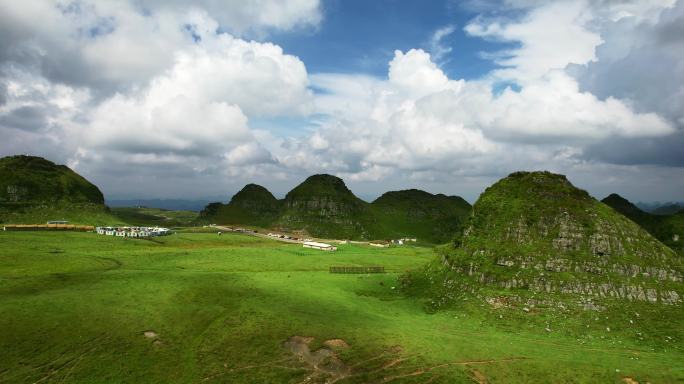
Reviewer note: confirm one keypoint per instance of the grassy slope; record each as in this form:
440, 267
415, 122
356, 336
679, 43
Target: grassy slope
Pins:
253, 205
414, 213
668, 226
34, 190
34, 179
663, 227
75, 213
154, 216
231, 214
75, 306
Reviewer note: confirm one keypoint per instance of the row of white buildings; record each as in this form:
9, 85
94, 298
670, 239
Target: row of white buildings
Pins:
133, 231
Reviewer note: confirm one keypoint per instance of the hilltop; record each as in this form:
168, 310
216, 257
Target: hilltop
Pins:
323, 206
535, 235
34, 190
668, 228
252, 205
420, 214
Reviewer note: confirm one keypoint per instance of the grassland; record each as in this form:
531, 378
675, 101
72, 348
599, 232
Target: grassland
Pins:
74, 308
74, 213
154, 216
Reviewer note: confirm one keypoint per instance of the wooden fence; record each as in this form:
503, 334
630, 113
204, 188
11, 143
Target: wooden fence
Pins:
357, 269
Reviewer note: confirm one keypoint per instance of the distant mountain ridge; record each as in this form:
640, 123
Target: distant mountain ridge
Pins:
668, 209
668, 228
323, 206
661, 208
170, 204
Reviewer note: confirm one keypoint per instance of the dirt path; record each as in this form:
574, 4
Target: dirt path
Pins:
324, 364
264, 236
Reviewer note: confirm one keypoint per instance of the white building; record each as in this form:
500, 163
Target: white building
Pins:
321, 246
133, 231
379, 245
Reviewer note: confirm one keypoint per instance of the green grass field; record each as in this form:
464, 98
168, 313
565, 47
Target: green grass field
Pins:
74, 307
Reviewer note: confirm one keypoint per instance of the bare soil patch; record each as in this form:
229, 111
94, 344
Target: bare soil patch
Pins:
336, 344
479, 377
323, 362
150, 334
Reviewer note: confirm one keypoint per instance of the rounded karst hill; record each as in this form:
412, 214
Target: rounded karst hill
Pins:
34, 180
419, 214
536, 232
255, 198
623, 206
252, 205
320, 186
324, 195
325, 207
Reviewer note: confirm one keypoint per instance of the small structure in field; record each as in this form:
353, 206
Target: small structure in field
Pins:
133, 231
317, 245
379, 245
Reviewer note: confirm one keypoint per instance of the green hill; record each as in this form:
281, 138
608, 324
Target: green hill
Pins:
323, 206
668, 228
34, 190
253, 205
419, 214
534, 236
30, 179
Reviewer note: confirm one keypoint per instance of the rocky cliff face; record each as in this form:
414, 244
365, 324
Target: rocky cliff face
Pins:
535, 232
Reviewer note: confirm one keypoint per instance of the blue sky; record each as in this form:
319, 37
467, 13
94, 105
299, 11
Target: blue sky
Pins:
359, 36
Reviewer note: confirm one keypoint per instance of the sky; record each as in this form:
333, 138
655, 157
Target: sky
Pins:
176, 99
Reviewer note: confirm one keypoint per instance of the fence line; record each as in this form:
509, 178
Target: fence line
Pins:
47, 227
375, 269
